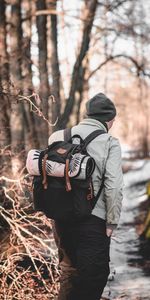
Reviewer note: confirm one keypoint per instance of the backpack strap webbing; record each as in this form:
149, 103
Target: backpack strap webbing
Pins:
86, 141
92, 136
67, 134
94, 201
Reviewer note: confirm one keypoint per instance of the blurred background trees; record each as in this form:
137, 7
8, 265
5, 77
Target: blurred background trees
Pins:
54, 55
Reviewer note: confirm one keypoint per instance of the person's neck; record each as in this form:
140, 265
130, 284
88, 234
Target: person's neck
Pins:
106, 125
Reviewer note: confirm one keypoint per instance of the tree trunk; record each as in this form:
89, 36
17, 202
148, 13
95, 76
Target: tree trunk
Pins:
5, 138
17, 110
55, 87
31, 138
77, 75
41, 22
83, 92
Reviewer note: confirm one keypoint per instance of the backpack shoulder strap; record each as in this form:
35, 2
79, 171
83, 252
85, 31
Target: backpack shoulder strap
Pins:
68, 137
67, 134
87, 140
92, 136
94, 201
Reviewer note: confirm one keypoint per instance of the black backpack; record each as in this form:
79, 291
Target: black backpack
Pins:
63, 198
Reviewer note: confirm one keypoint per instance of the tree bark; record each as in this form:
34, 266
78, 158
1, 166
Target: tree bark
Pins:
31, 133
77, 75
55, 87
41, 22
5, 137
83, 91
17, 110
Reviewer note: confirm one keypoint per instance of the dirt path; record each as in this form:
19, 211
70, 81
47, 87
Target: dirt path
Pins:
129, 278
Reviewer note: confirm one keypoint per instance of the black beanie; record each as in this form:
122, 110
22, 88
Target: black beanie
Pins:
101, 108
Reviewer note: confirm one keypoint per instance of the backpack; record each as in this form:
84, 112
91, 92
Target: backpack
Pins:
66, 193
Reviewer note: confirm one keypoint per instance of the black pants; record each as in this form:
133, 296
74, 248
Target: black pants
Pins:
87, 246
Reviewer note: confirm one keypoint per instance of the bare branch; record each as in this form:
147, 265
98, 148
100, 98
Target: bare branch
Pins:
139, 67
78, 68
36, 109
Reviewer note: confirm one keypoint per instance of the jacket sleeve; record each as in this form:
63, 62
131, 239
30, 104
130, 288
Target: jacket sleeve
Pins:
113, 183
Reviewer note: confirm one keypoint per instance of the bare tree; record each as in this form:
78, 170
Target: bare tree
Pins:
97, 28
78, 70
5, 138
17, 110
31, 137
55, 72
41, 22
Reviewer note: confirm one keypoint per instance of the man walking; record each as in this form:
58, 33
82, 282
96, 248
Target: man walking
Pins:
84, 246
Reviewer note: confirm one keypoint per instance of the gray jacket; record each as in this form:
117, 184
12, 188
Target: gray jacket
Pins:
106, 151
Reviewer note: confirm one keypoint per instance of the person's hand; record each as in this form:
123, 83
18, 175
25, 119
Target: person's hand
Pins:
109, 231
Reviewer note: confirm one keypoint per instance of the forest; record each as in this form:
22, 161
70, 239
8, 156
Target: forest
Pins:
54, 56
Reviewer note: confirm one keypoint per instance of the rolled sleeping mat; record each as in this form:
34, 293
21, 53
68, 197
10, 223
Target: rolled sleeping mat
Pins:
80, 166
32, 162
52, 168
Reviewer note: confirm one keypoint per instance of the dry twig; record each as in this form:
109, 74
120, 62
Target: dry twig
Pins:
28, 268
34, 108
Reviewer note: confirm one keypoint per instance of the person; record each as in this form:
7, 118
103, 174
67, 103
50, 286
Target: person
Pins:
84, 246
